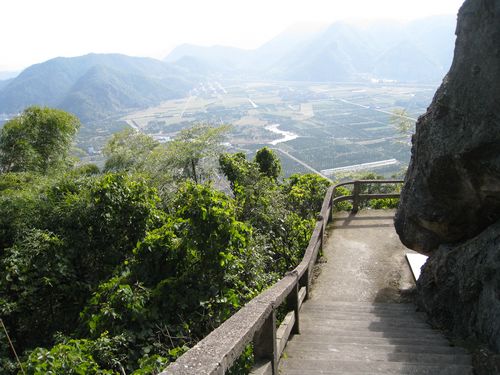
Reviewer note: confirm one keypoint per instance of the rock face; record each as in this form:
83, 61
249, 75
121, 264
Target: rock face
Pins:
460, 288
450, 204
452, 188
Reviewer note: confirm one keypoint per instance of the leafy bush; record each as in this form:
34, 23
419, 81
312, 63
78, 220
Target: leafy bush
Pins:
61, 240
38, 287
110, 278
345, 205
383, 204
71, 358
151, 365
305, 193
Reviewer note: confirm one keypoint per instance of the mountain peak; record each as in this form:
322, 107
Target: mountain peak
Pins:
59, 82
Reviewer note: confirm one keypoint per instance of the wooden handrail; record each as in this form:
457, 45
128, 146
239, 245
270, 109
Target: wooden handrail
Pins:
256, 321
357, 198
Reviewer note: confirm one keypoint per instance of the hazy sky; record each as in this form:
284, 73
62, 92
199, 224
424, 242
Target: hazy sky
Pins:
36, 30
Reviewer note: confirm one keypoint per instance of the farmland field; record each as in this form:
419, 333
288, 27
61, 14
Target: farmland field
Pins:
321, 127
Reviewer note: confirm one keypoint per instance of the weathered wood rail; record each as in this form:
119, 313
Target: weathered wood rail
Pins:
256, 321
357, 198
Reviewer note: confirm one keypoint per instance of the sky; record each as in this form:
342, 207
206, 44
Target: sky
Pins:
34, 31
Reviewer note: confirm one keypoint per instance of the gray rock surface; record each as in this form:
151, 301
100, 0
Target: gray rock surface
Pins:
450, 204
460, 288
452, 188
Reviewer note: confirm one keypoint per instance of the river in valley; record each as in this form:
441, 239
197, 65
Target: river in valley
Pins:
286, 136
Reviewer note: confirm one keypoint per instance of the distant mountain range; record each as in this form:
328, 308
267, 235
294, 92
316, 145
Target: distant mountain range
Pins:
418, 51
96, 86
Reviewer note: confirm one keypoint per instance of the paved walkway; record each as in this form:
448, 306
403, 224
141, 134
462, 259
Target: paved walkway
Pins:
353, 323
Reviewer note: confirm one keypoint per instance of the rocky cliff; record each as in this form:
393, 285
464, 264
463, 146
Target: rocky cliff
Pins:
452, 189
450, 204
460, 288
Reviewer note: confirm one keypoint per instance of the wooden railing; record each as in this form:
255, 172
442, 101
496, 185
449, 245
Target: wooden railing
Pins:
256, 321
358, 198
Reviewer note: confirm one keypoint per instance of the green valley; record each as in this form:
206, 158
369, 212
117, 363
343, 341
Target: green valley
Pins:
313, 126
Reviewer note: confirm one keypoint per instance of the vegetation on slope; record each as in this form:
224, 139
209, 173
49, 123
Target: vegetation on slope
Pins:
94, 86
121, 271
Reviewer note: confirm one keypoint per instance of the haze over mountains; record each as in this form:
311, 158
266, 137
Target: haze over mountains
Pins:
97, 86
418, 51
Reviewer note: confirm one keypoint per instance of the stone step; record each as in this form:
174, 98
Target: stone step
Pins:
333, 353
316, 329
304, 366
345, 319
301, 372
443, 371
437, 341
376, 311
361, 325
345, 347
309, 309
362, 306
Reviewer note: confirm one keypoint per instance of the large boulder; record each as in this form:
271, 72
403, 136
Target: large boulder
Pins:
450, 203
459, 288
452, 188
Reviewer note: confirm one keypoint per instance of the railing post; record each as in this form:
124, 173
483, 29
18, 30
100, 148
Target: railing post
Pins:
292, 304
321, 237
304, 282
264, 343
355, 199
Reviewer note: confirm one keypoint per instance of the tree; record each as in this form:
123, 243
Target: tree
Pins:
405, 126
127, 150
61, 241
37, 140
38, 282
102, 218
186, 277
109, 278
238, 170
268, 162
191, 146
305, 193
282, 234
19, 205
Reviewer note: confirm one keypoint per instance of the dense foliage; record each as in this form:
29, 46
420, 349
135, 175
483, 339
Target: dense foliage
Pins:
121, 271
95, 86
37, 140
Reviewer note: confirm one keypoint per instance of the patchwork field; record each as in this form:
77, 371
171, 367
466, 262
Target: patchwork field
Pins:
321, 127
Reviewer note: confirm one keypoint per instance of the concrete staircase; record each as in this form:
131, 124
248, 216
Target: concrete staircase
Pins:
364, 338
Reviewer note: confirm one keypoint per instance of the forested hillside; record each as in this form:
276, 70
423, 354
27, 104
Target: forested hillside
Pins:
95, 85
121, 270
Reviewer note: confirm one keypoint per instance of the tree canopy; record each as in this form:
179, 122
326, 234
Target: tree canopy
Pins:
128, 150
268, 162
404, 125
192, 146
37, 140
192, 154
110, 273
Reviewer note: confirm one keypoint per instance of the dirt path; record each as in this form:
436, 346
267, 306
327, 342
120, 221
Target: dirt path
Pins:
365, 265
352, 323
